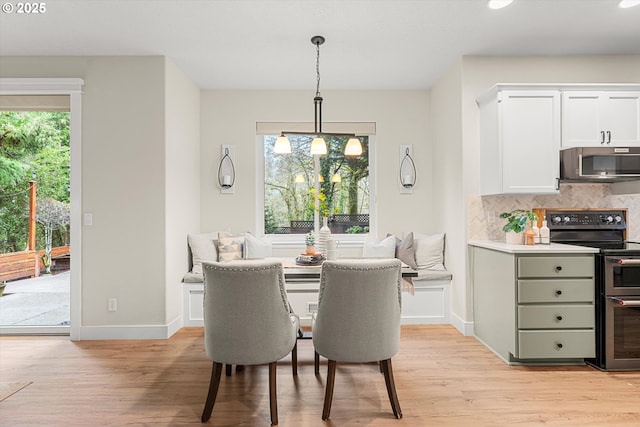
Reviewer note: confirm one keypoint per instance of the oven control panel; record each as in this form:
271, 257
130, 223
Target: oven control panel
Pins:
613, 219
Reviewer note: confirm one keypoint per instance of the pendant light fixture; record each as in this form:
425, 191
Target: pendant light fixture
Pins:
318, 144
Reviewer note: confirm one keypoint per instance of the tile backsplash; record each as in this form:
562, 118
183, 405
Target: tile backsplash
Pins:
484, 222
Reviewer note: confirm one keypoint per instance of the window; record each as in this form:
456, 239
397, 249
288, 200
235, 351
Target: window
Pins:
301, 190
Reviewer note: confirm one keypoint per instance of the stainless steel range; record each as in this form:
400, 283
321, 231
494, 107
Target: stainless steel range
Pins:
617, 273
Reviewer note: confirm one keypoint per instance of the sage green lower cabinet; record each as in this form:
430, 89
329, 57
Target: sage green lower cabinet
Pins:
534, 308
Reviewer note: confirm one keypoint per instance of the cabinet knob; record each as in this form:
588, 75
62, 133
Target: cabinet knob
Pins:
558, 292
558, 318
558, 268
559, 345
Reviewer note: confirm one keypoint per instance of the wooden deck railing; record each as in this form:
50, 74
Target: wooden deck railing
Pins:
19, 265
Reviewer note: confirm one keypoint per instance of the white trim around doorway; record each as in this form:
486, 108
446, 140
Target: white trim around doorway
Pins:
73, 88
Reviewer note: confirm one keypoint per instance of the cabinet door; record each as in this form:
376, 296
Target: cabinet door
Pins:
621, 116
600, 118
582, 119
530, 124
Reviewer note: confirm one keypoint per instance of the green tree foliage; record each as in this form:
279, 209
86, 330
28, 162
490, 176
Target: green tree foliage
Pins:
287, 200
33, 146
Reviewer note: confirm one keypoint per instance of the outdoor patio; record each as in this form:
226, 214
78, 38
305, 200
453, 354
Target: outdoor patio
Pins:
39, 301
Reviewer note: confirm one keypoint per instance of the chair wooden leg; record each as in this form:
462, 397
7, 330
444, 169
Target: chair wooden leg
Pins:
380, 366
294, 359
316, 363
273, 400
391, 387
227, 370
328, 395
239, 368
214, 383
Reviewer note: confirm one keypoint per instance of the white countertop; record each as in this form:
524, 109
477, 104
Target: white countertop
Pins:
553, 248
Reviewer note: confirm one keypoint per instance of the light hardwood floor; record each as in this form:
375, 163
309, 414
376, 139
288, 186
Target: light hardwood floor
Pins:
442, 378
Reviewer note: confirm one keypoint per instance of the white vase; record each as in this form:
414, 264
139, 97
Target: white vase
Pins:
323, 235
514, 238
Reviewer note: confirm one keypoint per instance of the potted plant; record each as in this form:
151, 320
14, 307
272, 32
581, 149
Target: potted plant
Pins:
310, 240
517, 224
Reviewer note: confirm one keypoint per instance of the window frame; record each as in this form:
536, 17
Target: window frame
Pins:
296, 240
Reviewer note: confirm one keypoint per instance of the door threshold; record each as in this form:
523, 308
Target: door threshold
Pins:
34, 330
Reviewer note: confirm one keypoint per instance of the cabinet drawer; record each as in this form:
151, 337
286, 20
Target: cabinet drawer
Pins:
556, 316
560, 290
558, 266
556, 344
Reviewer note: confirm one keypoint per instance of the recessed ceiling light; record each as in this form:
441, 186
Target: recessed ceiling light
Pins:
628, 3
499, 4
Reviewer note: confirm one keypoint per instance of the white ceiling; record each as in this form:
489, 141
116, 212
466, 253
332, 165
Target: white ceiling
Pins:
371, 44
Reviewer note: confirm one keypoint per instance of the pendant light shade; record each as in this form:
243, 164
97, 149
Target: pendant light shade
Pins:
318, 146
299, 179
336, 177
282, 145
353, 147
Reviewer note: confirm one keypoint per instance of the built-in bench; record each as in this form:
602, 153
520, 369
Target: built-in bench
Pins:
426, 298
424, 301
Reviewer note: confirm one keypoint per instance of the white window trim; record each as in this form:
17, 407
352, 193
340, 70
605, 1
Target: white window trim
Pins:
293, 240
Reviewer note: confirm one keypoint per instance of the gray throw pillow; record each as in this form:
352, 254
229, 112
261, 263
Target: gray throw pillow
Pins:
406, 251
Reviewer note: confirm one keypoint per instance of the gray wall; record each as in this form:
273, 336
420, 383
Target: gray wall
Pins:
128, 180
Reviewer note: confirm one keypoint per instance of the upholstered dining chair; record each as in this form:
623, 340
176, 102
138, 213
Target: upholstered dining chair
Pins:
247, 321
358, 319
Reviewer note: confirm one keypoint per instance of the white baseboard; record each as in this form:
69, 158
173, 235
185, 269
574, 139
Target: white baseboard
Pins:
131, 332
465, 328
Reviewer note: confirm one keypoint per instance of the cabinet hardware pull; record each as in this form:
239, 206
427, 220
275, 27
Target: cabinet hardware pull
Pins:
558, 268
558, 293
557, 183
558, 318
608, 137
559, 345
602, 135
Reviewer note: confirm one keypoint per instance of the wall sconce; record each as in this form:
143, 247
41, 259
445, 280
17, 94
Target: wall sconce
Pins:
408, 173
226, 171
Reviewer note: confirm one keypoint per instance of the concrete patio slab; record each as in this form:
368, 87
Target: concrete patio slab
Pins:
39, 301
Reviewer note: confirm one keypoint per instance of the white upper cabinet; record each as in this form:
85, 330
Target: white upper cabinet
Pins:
600, 118
519, 141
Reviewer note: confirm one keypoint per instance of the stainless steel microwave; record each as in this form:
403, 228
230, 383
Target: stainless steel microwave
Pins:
600, 164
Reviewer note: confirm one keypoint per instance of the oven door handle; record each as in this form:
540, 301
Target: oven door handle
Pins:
625, 303
622, 261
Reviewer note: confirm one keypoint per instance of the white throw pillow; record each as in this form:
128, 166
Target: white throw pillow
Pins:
384, 249
203, 248
256, 248
429, 251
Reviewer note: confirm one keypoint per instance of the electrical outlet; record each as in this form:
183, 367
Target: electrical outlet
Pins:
113, 304
312, 307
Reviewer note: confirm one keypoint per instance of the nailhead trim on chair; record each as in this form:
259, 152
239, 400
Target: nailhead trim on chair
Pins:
283, 291
359, 268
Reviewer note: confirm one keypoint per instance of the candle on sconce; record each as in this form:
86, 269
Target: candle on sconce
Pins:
406, 180
226, 180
